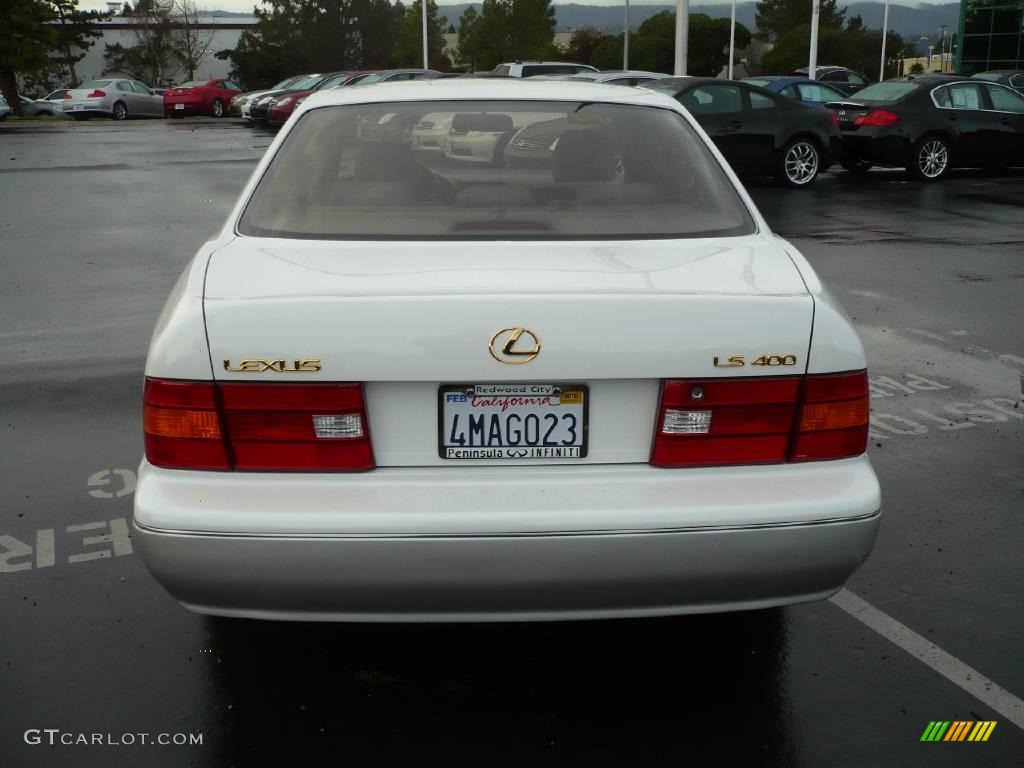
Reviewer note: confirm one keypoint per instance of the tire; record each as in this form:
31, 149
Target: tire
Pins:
120, 111
218, 108
930, 158
856, 166
799, 163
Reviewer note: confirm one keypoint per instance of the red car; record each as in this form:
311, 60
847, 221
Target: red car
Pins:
200, 97
282, 106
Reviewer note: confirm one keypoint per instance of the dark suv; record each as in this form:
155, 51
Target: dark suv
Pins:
846, 80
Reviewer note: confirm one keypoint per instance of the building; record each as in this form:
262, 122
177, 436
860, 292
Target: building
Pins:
990, 35
224, 32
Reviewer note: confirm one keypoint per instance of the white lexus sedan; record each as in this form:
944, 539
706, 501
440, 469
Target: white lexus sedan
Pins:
398, 388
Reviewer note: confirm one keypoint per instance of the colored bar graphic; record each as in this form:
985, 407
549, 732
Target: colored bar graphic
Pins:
958, 730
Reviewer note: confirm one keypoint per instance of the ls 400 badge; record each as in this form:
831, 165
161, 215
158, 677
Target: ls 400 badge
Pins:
737, 361
307, 365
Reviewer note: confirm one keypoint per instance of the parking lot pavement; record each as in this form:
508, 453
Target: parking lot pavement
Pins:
96, 221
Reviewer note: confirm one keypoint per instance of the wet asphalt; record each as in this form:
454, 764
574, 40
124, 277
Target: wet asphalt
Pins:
96, 222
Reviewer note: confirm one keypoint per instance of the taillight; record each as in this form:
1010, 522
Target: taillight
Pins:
97, 94
769, 420
835, 118
265, 427
833, 417
878, 118
181, 424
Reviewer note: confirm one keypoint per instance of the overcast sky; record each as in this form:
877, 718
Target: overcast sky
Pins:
245, 6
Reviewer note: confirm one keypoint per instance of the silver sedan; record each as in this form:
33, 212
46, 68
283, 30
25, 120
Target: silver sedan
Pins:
116, 98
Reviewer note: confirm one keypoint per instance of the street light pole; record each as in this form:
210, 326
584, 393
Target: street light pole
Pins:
625, 42
426, 52
732, 36
942, 50
885, 31
682, 35
812, 63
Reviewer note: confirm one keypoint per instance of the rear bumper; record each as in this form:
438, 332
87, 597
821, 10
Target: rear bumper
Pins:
877, 146
565, 542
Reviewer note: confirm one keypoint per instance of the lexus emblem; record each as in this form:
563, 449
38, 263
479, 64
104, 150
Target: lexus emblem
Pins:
514, 346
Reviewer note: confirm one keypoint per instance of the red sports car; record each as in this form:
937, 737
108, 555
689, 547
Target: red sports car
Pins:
200, 97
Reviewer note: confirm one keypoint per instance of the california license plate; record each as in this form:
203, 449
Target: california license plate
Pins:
179, 106
513, 421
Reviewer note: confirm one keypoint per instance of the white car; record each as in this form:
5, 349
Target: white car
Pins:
534, 68
394, 389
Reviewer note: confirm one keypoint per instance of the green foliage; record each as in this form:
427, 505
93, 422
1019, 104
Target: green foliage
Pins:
26, 40
582, 43
506, 30
917, 69
776, 18
856, 48
409, 47
652, 46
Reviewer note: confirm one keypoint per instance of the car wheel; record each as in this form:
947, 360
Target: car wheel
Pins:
856, 166
120, 111
218, 108
929, 160
799, 163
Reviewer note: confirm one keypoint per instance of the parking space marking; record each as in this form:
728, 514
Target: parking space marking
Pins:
997, 698
16, 555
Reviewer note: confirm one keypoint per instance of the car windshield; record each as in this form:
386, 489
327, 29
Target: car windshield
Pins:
94, 84
888, 91
193, 84
506, 170
304, 83
284, 83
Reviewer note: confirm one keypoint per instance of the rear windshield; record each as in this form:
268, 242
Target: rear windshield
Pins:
193, 84
885, 91
94, 84
507, 170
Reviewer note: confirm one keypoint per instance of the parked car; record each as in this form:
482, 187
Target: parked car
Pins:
281, 107
483, 138
931, 123
391, 76
842, 78
5, 108
390, 390
201, 97
58, 95
239, 106
798, 88
618, 77
117, 98
259, 108
35, 108
1014, 78
531, 68
759, 132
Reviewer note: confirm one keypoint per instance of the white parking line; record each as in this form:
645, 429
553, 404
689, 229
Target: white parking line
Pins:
971, 680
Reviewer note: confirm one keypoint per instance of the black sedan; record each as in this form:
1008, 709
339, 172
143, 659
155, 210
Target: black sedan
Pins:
1011, 77
760, 133
841, 78
931, 123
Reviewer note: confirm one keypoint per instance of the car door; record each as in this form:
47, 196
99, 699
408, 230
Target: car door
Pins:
125, 93
964, 114
1008, 107
762, 132
149, 103
718, 107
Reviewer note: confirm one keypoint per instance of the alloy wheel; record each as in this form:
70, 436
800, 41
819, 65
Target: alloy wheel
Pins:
801, 163
932, 158
218, 108
120, 111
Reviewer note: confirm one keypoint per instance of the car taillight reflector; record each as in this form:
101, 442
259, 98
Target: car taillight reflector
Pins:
707, 422
181, 425
877, 118
97, 94
267, 427
834, 417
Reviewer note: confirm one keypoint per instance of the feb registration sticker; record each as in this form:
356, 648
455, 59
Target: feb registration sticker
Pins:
513, 421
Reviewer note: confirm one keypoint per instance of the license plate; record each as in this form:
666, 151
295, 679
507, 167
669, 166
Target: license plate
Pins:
179, 106
513, 421
79, 106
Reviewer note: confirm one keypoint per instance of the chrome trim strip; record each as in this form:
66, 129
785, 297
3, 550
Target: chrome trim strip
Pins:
510, 534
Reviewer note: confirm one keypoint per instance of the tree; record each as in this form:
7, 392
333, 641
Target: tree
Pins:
409, 48
856, 48
470, 42
76, 34
582, 42
506, 30
191, 42
378, 24
917, 69
153, 58
775, 18
26, 37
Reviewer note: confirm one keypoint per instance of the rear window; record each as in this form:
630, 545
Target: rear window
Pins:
885, 91
507, 170
193, 84
94, 84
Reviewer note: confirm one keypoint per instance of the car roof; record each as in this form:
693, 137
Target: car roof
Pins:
511, 89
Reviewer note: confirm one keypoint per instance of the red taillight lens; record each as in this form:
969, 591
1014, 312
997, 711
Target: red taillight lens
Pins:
708, 422
181, 425
834, 417
298, 427
97, 94
835, 118
878, 118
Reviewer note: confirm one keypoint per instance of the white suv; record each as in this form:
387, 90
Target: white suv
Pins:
532, 68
